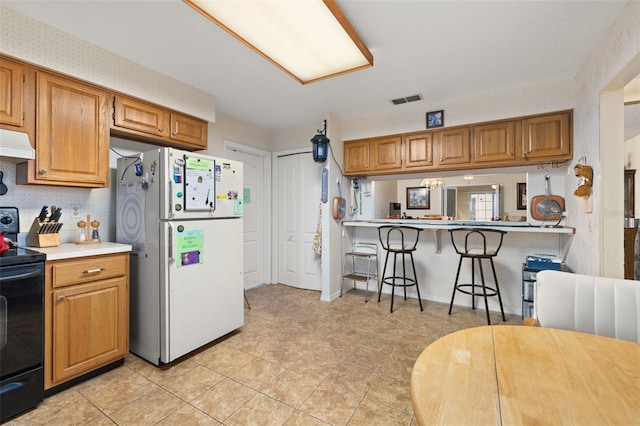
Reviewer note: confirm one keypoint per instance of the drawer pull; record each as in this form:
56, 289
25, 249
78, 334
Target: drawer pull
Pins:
60, 298
92, 271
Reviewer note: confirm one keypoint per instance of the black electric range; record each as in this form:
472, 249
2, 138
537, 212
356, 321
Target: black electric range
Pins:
22, 332
10, 224
20, 256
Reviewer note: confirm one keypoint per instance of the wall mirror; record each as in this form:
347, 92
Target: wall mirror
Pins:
465, 197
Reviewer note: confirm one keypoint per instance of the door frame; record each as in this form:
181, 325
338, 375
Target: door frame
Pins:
267, 222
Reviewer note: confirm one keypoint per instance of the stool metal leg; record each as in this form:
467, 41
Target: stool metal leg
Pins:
384, 274
495, 277
455, 285
393, 280
484, 291
415, 277
473, 283
246, 300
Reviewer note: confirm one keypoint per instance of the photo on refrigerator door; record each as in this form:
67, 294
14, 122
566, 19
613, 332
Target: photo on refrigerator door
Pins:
189, 247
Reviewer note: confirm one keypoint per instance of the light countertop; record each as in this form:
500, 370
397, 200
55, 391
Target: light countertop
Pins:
448, 224
72, 250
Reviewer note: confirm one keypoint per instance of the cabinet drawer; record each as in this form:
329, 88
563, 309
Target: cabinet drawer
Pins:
88, 269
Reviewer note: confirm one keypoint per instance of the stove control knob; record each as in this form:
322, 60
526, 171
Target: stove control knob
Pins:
6, 220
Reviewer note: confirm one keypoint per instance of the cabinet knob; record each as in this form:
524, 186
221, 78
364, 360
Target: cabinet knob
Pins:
161, 130
525, 154
60, 298
42, 171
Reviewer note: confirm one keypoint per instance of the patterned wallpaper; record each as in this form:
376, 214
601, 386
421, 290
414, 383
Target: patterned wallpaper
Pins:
41, 44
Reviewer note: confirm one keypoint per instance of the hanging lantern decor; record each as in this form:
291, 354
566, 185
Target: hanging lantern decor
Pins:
320, 145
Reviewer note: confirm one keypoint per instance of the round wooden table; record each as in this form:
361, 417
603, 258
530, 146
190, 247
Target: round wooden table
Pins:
527, 375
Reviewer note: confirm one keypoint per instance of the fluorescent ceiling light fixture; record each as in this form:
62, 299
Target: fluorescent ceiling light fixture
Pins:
308, 39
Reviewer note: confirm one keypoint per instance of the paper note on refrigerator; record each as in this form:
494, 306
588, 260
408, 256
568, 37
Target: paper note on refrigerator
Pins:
189, 247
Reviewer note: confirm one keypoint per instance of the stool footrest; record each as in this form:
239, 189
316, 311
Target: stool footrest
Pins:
490, 290
404, 282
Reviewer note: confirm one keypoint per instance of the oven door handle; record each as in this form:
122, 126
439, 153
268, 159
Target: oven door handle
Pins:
20, 275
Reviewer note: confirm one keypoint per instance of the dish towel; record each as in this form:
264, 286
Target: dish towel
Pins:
317, 240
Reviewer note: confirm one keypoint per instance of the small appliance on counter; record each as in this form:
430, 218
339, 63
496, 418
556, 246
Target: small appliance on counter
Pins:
45, 230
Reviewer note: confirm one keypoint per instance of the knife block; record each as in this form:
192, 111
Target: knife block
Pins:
36, 239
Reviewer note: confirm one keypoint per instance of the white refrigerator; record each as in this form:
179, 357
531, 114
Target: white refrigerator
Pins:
182, 214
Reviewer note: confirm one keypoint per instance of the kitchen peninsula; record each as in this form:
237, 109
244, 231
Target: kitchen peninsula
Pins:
436, 260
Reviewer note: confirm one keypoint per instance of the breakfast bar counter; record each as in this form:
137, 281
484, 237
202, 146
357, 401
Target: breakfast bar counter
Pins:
436, 260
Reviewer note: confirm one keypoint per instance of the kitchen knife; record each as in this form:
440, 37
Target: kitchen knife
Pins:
43, 214
55, 215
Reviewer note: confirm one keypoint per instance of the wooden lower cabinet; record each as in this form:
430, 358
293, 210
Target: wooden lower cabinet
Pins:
86, 315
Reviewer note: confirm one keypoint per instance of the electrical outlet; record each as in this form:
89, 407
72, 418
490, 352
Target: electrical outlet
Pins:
74, 211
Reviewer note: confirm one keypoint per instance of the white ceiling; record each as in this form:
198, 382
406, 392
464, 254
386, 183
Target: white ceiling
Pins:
440, 49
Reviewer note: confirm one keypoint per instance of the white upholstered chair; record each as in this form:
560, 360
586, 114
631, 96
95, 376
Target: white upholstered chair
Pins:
596, 305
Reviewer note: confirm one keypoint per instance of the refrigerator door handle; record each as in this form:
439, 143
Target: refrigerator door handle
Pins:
170, 188
170, 242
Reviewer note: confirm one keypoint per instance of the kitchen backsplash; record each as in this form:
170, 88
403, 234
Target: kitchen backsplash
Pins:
100, 203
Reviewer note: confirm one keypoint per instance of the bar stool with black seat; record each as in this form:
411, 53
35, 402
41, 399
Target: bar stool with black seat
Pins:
361, 264
399, 240
471, 243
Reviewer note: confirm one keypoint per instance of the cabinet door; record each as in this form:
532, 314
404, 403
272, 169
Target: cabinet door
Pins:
356, 156
454, 146
386, 153
547, 136
11, 89
72, 133
90, 327
418, 150
140, 116
189, 130
494, 142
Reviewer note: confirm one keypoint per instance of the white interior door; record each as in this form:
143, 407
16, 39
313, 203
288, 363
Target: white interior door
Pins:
297, 201
256, 180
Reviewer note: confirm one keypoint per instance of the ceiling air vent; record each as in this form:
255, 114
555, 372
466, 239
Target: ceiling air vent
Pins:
411, 98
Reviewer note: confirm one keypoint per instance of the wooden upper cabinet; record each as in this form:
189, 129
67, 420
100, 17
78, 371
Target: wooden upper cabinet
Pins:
494, 142
140, 116
11, 93
154, 124
418, 150
501, 143
547, 136
189, 130
454, 146
72, 146
356, 156
386, 153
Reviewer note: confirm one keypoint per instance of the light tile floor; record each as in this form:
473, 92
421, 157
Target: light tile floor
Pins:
296, 361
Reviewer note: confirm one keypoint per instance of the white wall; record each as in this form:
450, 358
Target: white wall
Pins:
46, 46
609, 61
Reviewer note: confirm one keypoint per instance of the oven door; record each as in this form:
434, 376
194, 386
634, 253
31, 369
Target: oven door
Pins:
21, 337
